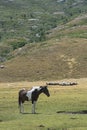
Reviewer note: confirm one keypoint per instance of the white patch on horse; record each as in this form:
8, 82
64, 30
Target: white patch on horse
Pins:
29, 93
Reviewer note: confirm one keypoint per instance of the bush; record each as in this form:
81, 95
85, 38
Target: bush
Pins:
17, 43
4, 50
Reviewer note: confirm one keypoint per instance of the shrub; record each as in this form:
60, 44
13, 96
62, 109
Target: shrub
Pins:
17, 43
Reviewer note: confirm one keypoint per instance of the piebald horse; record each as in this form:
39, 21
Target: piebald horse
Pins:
31, 95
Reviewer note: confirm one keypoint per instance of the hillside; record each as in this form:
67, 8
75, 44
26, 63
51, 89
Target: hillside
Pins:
55, 59
30, 20
43, 40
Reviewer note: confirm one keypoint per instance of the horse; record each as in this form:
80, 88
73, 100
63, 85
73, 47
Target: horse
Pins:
31, 95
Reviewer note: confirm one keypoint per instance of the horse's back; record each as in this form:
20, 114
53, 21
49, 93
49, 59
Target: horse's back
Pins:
22, 93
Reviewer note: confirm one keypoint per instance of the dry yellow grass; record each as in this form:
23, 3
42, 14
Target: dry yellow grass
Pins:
81, 84
55, 59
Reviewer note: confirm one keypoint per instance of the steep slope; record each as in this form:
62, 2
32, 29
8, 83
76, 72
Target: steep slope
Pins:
55, 59
76, 28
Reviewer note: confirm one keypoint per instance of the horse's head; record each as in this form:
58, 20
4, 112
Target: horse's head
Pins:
45, 90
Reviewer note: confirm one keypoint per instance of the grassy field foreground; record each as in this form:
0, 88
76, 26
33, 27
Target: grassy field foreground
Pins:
58, 112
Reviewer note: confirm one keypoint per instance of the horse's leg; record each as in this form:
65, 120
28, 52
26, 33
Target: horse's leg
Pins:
33, 107
21, 108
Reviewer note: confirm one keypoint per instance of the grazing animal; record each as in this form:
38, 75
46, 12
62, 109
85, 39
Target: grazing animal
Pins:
31, 95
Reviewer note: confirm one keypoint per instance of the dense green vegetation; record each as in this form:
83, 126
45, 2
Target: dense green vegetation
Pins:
32, 19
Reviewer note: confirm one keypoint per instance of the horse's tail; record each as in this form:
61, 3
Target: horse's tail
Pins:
19, 99
19, 96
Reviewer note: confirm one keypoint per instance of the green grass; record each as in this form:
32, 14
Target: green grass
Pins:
69, 99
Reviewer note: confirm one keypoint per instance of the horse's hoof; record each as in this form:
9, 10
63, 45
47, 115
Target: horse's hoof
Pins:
34, 113
21, 112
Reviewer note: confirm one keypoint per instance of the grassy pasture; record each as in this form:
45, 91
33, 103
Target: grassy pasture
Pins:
63, 98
